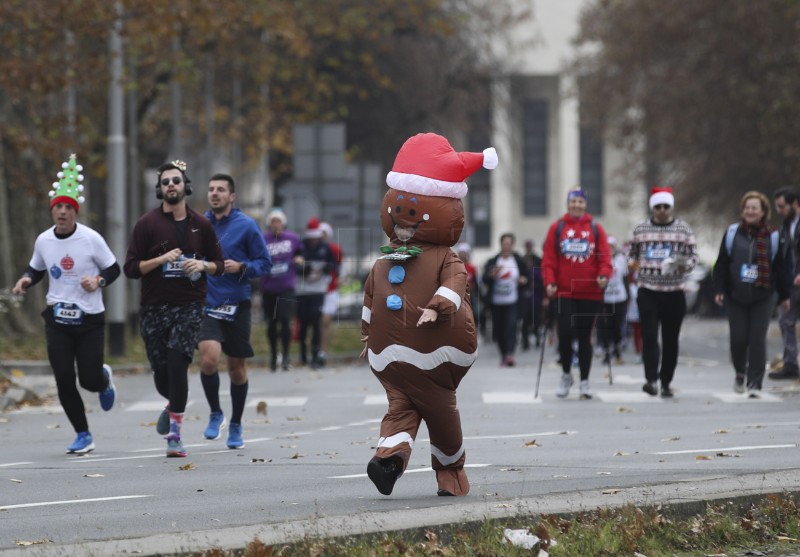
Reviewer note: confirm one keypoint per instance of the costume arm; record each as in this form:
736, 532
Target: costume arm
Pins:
453, 286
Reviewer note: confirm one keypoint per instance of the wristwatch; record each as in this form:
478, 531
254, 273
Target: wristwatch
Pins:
101, 282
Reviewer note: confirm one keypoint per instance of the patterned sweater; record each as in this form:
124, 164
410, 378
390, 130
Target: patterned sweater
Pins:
660, 249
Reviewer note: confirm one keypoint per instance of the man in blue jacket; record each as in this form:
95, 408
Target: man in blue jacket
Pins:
226, 325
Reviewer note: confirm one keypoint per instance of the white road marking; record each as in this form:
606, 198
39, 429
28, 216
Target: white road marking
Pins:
72, 502
6, 465
519, 435
275, 402
371, 400
414, 471
736, 397
623, 379
626, 397
720, 449
150, 406
510, 398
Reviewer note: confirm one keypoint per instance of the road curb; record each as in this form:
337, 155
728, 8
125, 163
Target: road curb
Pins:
683, 498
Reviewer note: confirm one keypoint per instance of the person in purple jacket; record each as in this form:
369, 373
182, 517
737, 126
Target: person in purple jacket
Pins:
278, 286
172, 248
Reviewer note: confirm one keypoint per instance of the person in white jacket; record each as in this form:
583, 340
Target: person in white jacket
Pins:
615, 302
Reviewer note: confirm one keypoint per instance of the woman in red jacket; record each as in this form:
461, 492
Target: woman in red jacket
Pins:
575, 266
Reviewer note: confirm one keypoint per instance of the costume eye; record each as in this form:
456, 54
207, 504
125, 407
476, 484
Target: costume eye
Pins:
398, 209
426, 216
412, 212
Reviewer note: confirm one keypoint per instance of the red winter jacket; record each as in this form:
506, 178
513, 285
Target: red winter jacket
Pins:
574, 264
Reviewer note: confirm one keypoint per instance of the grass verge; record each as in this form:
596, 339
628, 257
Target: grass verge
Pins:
768, 525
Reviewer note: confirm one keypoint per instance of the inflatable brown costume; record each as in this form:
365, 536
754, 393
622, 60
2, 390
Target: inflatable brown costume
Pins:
417, 319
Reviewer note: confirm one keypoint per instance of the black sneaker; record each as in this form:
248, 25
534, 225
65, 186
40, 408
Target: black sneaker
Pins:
785, 373
273, 364
666, 392
650, 388
384, 472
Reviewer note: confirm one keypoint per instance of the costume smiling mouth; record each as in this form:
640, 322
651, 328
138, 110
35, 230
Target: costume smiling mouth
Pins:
404, 233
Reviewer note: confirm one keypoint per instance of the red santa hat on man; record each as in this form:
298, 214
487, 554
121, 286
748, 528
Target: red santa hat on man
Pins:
312, 228
661, 196
428, 165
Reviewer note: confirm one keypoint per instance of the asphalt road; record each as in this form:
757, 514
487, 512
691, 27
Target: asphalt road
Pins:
302, 471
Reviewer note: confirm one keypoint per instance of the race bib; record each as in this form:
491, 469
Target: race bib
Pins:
67, 314
173, 269
659, 253
279, 269
225, 312
749, 273
575, 246
502, 288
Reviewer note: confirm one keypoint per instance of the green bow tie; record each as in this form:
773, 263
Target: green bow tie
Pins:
402, 252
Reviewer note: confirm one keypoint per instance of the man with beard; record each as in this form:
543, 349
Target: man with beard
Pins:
171, 249
787, 205
226, 325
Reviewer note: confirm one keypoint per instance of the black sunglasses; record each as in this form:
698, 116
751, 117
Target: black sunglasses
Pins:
175, 180
661, 207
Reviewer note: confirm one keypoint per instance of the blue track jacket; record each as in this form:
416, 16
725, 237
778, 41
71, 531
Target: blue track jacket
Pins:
241, 240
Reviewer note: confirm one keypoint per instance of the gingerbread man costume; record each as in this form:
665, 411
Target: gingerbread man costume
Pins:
417, 318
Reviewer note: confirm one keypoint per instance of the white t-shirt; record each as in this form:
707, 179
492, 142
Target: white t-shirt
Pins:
505, 283
84, 253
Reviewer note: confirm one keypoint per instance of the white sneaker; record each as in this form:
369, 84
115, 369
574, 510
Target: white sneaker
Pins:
584, 389
753, 392
566, 383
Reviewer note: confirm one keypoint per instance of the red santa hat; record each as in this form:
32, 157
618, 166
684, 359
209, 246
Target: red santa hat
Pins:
428, 165
312, 228
661, 196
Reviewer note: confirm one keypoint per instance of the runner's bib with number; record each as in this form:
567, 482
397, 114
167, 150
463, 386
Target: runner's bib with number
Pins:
67, 314
658, 253
749, 273
173, 269
279, 269
225, 312
575, 247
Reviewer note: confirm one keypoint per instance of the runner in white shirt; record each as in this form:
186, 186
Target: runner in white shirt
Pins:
78, 263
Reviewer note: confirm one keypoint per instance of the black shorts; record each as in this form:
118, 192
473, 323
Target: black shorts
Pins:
234, 336
164, 327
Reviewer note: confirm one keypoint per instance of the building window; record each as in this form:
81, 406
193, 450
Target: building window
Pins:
534, 157
591, 154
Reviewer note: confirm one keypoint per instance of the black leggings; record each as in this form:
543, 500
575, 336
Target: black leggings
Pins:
278, 312
172, 381
68, 344
309, 312
576, 320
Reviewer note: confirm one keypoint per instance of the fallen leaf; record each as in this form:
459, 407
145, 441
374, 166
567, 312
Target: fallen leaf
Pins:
294, 418
610, 491
619, 453
93, 476
19, 374
261, 408
34, 542
509, 469
604, 473
54, 426
703, 457
187, 466
256, 460
624, 410
671, 439
532, 443
15, 480
719, 431
786, 539
295, 456
727, 454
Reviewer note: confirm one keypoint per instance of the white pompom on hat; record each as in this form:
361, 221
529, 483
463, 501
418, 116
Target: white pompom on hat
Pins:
428, 165
661, 196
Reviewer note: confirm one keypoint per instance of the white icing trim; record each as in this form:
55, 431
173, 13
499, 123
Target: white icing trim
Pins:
443, 458
396, 439
366, 314
451, 295
399, 353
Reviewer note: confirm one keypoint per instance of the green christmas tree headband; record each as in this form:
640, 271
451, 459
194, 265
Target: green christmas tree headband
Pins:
68, 187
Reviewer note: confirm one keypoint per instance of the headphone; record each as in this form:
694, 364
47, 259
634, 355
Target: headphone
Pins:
187, 182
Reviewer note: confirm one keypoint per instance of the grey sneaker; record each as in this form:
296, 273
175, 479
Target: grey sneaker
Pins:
566, 383
585, 391
738, 385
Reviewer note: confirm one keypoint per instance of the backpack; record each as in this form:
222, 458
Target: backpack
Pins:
560, 229
774, 241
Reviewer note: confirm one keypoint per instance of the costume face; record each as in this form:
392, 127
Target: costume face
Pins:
422, 218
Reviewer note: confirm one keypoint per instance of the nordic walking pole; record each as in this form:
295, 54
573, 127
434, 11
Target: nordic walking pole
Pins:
541, 362
610, 376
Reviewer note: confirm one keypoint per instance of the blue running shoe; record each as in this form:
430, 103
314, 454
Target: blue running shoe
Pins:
175, 447
216, 422
108, 396
162, 425
83, 444
235, 440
